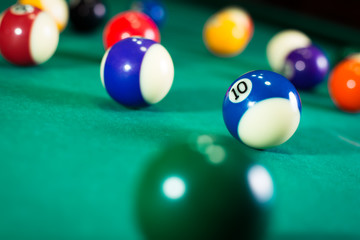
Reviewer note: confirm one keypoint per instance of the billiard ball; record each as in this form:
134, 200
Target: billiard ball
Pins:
344, 85
154, 9
28, 36
354, 56
204, 187
87, 15
228, 32
58, 9
129, 24
137, 72
262, 109
306, 67
282, 44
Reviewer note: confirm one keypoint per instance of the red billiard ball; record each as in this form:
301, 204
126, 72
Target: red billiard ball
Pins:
344, 85
130, 24
28, 36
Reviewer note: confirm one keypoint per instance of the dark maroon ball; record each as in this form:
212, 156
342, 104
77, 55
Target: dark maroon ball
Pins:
87, 15
306, 67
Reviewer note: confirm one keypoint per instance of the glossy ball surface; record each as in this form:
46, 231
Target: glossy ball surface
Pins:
262, 109
228, 32
137, 72
354, 56
130, 24
154, 9
344, 85
87, 15
57, 9
28, 36
204, 188
306, 67
282, 44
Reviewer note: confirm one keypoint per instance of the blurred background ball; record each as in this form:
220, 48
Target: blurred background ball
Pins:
153, 8
228, 32
87, 15
205, 187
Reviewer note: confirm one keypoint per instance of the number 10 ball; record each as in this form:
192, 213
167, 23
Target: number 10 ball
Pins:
262, 109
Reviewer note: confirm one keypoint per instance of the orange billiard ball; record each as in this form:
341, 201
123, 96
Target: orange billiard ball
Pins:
344, 85
228, 32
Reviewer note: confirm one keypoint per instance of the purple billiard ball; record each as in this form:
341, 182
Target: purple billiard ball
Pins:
306, 67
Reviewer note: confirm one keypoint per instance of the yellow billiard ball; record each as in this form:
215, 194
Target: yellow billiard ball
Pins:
58, 9
228, 32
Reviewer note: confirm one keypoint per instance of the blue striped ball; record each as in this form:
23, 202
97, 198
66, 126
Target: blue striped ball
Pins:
137, 72
262, 109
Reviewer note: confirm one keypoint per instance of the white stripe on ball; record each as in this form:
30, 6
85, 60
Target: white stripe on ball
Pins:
44, 38
58, 9
156, 74
269, 123
102, 67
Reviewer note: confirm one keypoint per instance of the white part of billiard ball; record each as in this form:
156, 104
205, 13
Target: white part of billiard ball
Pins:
260, 183
44, 38
280, 46
354, 56
59, 10
156, 74
102, 66
269, 123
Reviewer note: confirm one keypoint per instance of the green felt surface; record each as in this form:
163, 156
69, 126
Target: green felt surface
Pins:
70, 157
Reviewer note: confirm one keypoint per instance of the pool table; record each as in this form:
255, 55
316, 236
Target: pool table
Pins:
71, 157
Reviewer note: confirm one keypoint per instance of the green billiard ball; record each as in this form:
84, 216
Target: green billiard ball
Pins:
204, 188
